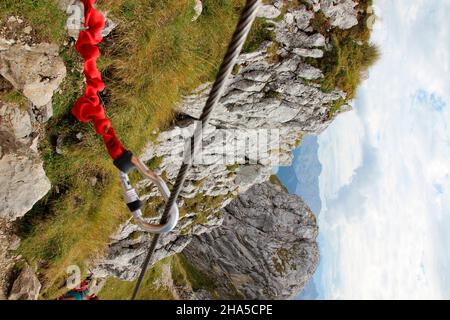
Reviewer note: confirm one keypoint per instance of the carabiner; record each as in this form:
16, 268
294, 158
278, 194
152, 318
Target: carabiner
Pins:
126, 163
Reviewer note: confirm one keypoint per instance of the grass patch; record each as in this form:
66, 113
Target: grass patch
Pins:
282, 261
14, 97
47, 20
233, 167
337, 105
116, 289
183, 272
203, 206
154, 57
272, 53
351, 55
260, 32
274, 180
272, 94
236, 70
154, 163
345, 63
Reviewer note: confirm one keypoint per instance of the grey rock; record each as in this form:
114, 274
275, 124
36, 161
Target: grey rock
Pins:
79, 136
308, 53
36, 71
93, 181
14, 243
302, 18
268, 12
13, 119
129, 246
309, 72
265, 249
27, 30
63, 4
110, 25
22, 180
342, 13
26, 286
22, 176
75, 20
42, 114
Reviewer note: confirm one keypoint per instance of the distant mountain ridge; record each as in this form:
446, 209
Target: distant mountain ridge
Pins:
302, 178
309, 292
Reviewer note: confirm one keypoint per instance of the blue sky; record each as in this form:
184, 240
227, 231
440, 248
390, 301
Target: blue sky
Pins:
385, 180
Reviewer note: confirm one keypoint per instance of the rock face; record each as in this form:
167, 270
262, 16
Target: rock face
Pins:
36, 71
270, 103
22, 178
129, 246
26, 286
265, 249
270, 11
271, 94
8, 242
342, 13
15, 120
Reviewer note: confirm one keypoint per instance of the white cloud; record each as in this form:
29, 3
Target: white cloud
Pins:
340, 173
386, 180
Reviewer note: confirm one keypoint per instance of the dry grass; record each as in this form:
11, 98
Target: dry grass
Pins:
351, 55
116, 289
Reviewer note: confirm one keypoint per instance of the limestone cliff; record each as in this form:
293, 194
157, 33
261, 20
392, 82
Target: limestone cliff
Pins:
265, 249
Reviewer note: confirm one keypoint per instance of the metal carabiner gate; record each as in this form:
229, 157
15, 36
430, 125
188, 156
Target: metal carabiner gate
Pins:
125, 164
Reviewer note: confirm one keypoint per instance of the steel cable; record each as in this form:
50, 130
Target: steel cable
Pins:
248, 15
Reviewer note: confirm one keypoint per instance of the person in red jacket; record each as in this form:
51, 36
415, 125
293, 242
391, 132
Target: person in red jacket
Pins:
81, 292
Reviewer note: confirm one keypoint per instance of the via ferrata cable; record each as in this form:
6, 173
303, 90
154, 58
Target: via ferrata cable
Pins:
248, 15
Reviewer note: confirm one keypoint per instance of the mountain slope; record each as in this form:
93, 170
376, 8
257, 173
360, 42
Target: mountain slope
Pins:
302, 177
265, 248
